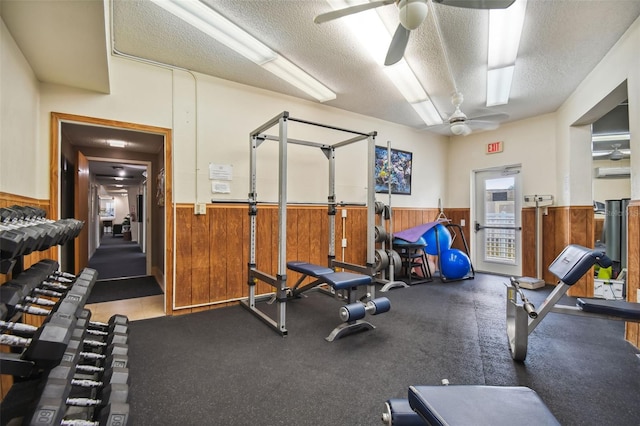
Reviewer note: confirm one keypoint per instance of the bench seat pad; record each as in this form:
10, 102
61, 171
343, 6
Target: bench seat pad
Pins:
479, 405
309, 268
616, 308
337, 280
344, 280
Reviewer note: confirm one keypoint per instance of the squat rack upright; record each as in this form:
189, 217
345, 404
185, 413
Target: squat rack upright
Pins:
279, 282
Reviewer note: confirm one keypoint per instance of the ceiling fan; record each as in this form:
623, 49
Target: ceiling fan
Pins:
615, 155
411, 14
459, 124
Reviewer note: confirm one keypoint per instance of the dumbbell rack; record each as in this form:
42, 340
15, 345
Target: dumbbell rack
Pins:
68, 370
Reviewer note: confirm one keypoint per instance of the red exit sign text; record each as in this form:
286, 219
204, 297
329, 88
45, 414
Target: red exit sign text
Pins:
494, 147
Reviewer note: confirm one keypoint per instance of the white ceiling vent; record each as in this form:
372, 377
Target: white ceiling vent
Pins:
612, 172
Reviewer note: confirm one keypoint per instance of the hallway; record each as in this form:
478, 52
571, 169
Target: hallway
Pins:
116, 258
119, 263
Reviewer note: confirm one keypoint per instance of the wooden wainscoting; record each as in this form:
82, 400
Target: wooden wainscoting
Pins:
633, 267
566, 225
212, 250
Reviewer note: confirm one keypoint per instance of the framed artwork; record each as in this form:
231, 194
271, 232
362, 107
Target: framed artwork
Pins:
395, 173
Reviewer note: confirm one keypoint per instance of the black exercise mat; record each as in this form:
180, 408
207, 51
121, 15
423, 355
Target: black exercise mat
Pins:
125, 288
226, 367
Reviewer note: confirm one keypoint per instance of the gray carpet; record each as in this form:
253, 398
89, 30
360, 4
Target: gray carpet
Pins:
116, 258
226, 367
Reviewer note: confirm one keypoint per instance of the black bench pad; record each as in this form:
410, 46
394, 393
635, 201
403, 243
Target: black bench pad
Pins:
309, 268
479, 405
616, 308
337, 280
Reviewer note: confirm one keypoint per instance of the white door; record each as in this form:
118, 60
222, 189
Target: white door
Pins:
497, 221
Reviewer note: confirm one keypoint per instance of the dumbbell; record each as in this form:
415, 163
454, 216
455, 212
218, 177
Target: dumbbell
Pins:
52, 407
115, 355
33, 282
116, 324
48, 343
25, 215
65, 375
358, 310
12, 243
79, 333
13, 296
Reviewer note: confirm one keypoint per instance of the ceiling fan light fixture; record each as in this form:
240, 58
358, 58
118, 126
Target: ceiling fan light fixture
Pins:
412, 13
459, 128
616, 155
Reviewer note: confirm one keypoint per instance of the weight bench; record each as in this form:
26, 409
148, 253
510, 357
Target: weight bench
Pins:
460, 405
351, 313
569, 267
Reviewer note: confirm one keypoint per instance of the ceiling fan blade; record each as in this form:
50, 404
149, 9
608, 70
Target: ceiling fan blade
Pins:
477, 4
498, 117
398, 45
483, 125
330, 16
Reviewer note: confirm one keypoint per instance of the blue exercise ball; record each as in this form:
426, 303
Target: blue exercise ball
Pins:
454, 263
444, 239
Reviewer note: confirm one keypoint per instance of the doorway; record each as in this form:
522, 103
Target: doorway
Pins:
117, 244
81, 198
497, 220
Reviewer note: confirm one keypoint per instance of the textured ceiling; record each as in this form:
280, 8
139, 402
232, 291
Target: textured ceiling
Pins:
561, 42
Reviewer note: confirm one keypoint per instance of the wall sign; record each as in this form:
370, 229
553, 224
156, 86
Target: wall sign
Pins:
494, 147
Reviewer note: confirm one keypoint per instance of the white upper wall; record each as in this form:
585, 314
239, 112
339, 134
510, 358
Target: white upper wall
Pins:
621, 64
212, 120
19, 101
529, 143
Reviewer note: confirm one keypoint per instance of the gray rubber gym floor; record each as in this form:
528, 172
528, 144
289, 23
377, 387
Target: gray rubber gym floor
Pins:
226, 367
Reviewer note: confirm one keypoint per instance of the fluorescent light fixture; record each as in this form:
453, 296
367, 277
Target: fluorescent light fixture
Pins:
406, 82
499, 85
118, 178
375, 37
205, 19
611, 137
505, 29
295, 76
427, 112
202, 17
372, 34
117, 144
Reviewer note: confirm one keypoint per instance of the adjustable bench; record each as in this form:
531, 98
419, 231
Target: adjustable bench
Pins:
570, 265
459, 405
351, 313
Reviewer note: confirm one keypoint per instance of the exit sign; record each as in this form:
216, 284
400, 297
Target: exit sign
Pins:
494, 147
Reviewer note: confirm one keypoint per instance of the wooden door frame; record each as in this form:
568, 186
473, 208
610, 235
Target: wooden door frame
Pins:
57, 119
